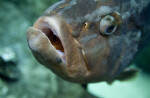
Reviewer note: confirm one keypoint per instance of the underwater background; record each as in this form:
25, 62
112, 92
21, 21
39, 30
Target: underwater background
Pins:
21, 76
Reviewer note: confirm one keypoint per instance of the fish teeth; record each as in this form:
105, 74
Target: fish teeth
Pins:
55, 33
60, 53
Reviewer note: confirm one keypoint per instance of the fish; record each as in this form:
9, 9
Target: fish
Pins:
88, 41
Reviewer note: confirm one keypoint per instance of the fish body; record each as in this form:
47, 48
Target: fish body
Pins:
86, 41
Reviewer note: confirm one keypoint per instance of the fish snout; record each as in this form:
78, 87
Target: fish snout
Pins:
46, 46
53, 46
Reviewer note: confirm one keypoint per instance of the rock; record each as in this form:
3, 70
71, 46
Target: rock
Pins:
8, 65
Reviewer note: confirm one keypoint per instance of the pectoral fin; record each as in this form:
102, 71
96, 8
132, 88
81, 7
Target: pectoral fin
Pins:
127, 74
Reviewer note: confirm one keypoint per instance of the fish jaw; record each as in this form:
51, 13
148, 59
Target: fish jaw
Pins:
70, 64
41, 48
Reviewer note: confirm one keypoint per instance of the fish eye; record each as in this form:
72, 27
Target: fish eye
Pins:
109, 24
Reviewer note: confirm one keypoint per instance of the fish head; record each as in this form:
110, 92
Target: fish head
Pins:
83, 42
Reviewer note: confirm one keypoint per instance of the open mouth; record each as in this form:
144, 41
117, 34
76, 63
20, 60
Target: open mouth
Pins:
53, 38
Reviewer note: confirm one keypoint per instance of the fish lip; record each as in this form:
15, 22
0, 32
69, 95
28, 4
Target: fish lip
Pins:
45, 23
35, 47
59, 52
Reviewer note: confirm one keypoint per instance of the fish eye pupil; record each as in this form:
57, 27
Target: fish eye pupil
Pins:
110, 29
